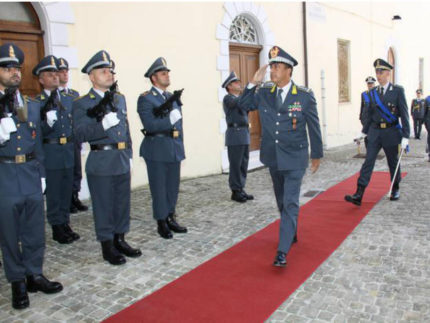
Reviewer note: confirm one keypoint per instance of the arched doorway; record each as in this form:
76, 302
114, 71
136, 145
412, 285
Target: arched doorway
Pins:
391, 59
20, 24
244, 60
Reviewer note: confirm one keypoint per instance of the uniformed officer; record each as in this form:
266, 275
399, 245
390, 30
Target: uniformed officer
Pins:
162, 148
76, 204
22, 225
58, 146
237, 138
365, 101
285, 110
417, 113
100, 117
382, 127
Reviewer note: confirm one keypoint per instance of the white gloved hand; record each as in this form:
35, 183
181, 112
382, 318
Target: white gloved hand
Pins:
175, 116
110, 120
131, 164
405, 143
362, 135
51, 117
4, 136
8, 125
43, 183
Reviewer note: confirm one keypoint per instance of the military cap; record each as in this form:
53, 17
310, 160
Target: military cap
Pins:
100, 60
112, 66
63, 64
380, 64
231, 78
11, 55
370, 79
47, 64
159, 65
278, 55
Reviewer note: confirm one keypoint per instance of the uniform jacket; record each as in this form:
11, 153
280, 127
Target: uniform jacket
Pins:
418, 109
236, 115
86, 129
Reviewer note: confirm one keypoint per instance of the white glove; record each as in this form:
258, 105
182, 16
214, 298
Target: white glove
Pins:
43, 183
131, 164
51, 117
174, 116
8, 125
4, 136
110, 120
405, 143
362, 135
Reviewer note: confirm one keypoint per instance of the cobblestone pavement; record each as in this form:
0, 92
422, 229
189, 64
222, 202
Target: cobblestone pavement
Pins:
381, 273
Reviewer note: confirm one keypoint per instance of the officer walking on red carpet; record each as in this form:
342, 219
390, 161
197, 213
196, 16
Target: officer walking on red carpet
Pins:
288, 114
383, 130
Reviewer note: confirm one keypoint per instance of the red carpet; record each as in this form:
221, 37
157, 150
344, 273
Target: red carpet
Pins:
240, 284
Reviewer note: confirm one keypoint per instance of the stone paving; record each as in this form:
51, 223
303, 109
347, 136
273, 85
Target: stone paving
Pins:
381, 273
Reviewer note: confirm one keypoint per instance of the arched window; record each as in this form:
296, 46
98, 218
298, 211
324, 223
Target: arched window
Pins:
242, 31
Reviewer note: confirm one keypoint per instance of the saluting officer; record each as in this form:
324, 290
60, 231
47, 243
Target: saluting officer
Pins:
100, 117
22, 224
417, 113
236, 137
382, 127
58, 146
365, 101
285, 110
162, 148
76, 204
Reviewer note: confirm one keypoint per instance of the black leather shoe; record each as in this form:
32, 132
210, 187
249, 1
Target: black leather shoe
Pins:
395, 195
163, 229
248, 196
280, 260
70, 232
111, 254
19, 295
237, 196
123, 247
73, 209
295, 238
77, 202
60, 235
357, 197
174, 226
39, 283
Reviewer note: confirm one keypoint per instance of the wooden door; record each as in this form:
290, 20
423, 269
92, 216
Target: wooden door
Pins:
28, 36
244, 60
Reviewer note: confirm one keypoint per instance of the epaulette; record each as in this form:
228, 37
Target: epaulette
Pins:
80, 97
303, 89
40, 97
119, 93
144, 93
29, 99
67, 94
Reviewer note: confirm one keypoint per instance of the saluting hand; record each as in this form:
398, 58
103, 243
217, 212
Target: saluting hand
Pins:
259, 75
315, 165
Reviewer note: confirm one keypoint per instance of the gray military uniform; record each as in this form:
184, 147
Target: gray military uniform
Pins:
108, 165
417, 113
237, 140
162, 153
285, 146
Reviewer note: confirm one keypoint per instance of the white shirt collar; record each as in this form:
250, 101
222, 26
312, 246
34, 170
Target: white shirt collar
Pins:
99, 92
285, 90
66, 90
159, 90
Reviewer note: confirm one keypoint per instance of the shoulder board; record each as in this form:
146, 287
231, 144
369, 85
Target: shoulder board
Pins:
144, 93
67, 94
303, 89
29, 99
268, 85
80, 97
119, 93
40, 97
73, 91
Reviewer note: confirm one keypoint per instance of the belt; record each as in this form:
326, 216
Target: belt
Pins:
238, 125
18, 159
61, 140
171, 133
117, 146
385, 125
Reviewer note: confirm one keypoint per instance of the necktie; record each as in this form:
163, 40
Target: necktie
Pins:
381, 91
165, 95
279, 98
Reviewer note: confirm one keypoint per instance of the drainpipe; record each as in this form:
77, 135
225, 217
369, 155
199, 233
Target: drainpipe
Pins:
305, 43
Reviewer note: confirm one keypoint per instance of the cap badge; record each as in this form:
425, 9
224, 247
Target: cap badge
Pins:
11, 51
274, 52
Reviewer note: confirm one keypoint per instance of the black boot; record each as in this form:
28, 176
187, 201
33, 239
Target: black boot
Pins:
395, 193
77, 202
280, 259
173, 225
70, 232
73, 209
122, 246
356, 198
39, 283
60, 235
19, 295
248, 196
163, 229
111, 254
237, 196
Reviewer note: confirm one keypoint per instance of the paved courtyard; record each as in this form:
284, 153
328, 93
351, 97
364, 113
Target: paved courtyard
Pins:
381, 273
